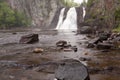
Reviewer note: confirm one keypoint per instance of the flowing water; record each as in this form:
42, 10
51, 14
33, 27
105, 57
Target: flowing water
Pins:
11, 52
84, 12
71, 19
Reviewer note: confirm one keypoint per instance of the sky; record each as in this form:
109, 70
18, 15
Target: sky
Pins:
78, 1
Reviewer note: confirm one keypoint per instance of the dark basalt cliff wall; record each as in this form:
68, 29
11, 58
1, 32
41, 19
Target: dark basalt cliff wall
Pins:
40, 11
102, 13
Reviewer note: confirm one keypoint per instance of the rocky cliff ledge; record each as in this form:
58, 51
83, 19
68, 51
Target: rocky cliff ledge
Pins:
40, 11
103, 13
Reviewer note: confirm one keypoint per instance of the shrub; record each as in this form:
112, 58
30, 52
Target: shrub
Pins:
70, 3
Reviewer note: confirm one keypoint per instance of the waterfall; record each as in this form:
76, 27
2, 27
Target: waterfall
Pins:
71, 19
84, 12
61, 16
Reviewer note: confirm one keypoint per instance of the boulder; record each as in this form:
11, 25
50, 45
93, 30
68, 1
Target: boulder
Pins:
104, 36
93, 42
74, 48
86, 30
71, 70
61, 43
104, 46
116, 38
90, 45
30, 38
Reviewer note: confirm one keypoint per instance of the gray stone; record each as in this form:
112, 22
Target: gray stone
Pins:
90, 45
71, 70
86, 30
104, 36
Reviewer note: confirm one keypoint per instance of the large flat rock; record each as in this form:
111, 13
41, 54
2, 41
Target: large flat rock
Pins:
71, 70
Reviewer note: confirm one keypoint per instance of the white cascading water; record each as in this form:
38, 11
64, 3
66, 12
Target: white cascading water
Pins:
70, 22
84, 12
60, 18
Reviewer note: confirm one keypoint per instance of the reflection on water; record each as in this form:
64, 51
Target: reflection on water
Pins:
68, 35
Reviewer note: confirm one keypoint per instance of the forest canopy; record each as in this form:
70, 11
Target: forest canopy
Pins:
10, 17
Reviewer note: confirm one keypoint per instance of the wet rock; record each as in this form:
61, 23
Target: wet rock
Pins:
95, 40
90, 45
59, 48
61, 43
84, 59
11, 77
14, 33
90, 36
49, 67
104, 50
86, 30
109, 68
38, 50
74, 48
104, 36
94, 70
67, 49
117, 38
71, 70
67, 45
86, 53
30, 38
104, 46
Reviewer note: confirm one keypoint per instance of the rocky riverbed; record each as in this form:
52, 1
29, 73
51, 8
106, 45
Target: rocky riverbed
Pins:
19, 61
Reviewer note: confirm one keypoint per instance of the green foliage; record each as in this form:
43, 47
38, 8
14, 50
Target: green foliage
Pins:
89, 3
11, 18
21, 19
117, 29
84, 3
117, 19
117, 14
89, 20
70, 3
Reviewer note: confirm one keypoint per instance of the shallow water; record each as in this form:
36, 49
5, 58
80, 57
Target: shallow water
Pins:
12, 51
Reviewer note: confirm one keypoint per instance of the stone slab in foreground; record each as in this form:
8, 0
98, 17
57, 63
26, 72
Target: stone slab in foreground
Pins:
71, 70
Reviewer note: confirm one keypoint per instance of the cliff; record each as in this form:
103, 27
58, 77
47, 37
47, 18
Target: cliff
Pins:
102, 13
40, 11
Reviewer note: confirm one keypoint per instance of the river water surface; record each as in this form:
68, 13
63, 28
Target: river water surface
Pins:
104, 65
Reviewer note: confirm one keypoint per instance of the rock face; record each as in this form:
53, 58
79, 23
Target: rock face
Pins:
40, 11
102, 13
80, 19
71, 70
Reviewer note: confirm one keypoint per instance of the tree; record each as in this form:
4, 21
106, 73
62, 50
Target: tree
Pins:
10, 17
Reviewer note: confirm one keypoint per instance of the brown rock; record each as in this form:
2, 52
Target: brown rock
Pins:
38, 50
30, 38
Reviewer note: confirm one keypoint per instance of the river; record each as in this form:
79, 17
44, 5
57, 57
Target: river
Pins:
104, 65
